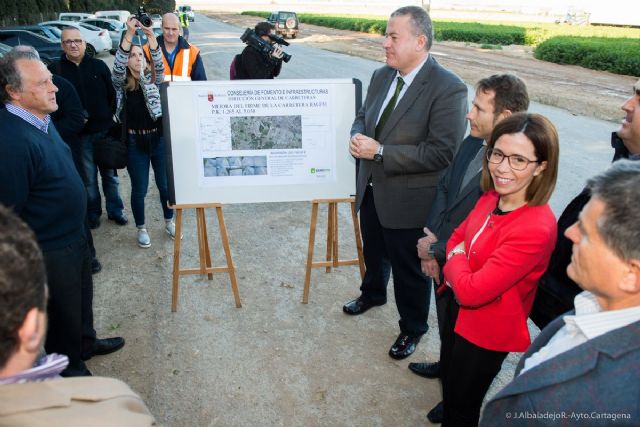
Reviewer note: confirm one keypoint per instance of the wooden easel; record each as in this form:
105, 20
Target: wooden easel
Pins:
332, 259
203, 250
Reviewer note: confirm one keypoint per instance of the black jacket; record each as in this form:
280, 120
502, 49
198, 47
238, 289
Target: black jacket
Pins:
92, 81
556, 290
256, 65
69, 118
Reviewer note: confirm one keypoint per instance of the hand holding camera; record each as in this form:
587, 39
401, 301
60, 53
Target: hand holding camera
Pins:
277, 52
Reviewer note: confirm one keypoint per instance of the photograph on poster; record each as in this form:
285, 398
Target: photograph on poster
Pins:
235, 166
266, 132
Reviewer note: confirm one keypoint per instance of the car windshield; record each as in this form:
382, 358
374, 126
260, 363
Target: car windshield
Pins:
89, 27
287, 15
55, 31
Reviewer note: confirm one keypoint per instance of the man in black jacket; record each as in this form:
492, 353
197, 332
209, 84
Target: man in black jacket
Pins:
556, 290
257, 65
92, 80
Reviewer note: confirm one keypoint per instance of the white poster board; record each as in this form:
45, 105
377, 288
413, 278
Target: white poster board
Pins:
250, 141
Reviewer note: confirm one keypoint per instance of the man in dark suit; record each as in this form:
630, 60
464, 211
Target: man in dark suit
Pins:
556, 290
405, 135
497, 97
583, 367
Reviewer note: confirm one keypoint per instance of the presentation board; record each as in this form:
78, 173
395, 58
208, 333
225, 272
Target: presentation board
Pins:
251, 141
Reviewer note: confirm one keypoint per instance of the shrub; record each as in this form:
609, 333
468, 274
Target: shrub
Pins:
620, 56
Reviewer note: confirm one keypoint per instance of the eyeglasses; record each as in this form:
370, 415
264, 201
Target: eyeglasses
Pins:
516, 161
77, 42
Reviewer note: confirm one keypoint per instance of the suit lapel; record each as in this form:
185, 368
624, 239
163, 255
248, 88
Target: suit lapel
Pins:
413, 92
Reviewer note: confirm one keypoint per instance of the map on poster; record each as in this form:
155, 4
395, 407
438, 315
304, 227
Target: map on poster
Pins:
254, 141
265, 135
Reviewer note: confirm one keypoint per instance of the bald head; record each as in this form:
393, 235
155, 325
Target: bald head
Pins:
73, 44
170, 30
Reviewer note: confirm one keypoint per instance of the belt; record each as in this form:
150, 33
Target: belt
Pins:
141, 131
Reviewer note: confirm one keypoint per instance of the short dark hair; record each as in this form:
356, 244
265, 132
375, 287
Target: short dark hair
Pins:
420, 21
619, 188
544, 137
263, 28
510, 92
22, 279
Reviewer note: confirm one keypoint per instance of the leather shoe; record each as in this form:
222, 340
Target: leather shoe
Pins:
119, 219
427, 370
404, 346
107, 345
436, 415
359, 306
96, 267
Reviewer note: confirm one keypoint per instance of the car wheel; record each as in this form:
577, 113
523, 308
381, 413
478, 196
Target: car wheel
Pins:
294, 35
91, 51
290, 23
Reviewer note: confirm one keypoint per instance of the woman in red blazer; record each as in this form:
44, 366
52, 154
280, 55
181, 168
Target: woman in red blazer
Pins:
495, 258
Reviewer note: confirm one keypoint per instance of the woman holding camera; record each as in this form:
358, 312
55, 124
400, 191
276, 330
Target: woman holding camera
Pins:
495, 258
139, 110
257, 65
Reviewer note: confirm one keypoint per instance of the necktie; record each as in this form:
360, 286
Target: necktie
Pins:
389, 108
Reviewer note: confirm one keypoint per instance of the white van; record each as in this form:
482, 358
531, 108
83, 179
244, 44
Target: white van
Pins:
118, 15
74, 17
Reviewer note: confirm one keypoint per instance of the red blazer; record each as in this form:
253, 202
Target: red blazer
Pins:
495, 283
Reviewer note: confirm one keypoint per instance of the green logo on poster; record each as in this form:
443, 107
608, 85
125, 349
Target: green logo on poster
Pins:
313, 170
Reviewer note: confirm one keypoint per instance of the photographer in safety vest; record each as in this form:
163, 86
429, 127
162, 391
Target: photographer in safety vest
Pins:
182, 61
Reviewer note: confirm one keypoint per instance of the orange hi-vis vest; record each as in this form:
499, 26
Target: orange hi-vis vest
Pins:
182, 64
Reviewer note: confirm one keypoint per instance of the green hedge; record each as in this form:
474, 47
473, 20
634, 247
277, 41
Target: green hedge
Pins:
620, 56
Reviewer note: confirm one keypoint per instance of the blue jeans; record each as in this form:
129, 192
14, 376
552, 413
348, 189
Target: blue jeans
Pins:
143, 150
110, 182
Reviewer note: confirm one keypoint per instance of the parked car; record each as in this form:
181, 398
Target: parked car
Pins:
98, 40
51, 33
187, 9
141, 39
115, 29
118, 15
49, 51
156, 18
74, 17
286, 23
4, 49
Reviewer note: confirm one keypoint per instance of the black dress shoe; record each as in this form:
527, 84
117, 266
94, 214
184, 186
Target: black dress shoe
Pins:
94, 223
404, 346
107, 345
96, 267
427, 370
436, 415
359, 306
119, 219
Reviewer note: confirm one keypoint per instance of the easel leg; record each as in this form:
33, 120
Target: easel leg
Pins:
312, 240
334, 239
205, 242
176, 262
227, 253
329, 236
356, 231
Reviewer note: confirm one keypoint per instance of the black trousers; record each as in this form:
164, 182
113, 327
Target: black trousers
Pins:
70, 306
468, 375
384, 248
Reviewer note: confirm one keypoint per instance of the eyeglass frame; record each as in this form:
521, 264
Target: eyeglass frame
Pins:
71, 42
490, 151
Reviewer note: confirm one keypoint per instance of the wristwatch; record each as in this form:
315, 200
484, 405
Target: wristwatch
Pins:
378, 156
455, 251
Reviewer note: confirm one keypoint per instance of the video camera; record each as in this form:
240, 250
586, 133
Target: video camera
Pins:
143, 17
252, 39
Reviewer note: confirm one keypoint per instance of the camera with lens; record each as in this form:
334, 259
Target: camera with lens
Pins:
143, 17
252, 39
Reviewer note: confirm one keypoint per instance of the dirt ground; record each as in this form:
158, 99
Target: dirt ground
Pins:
275, 361
579, 90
